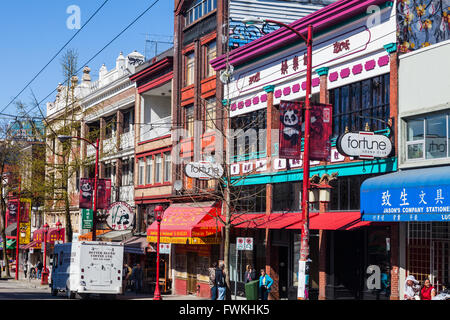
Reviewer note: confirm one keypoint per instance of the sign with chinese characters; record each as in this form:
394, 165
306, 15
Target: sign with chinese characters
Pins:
120, 216
418, 203
86, 218
364, 145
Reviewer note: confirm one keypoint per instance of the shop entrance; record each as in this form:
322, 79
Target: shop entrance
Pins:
282, 271
440, 259
192, 272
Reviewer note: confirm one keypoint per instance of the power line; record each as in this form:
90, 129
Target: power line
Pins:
53, 58
101, 50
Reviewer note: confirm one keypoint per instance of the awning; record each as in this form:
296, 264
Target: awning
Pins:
346, 220
115, 235
53, 235
11, 230
88, 236
181, 224
407, 195
138, 245
10, 244
32, 245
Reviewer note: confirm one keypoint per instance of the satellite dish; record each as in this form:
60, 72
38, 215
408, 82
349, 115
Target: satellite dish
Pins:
178, 185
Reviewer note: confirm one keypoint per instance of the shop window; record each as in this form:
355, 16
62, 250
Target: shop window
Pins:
189, 69
359, 103
286, 199
198, 9
249, 135
427, 137
211, 53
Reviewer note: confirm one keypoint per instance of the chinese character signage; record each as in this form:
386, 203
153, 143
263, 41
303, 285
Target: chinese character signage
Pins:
418, 203
87, 193
321, 128
24, 225
86, 218
290, 129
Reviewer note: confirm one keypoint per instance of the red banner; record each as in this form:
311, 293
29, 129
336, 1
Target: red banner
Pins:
290, 129
321, 129
86, 193
11, 212
104, 193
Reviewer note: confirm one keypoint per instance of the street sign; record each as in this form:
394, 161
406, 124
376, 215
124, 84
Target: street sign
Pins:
164, 248
86, 218
244, 243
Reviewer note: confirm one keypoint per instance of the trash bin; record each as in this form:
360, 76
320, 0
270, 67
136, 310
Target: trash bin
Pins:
251, 290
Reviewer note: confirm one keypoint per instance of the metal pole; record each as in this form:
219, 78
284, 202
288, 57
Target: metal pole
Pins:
235, 273
157, 295
304, 250
18, 233
44, 271
94, 210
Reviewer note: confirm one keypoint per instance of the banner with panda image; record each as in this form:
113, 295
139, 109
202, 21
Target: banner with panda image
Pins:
321, 130
290, 129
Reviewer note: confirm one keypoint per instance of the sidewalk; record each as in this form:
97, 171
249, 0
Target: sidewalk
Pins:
27, 283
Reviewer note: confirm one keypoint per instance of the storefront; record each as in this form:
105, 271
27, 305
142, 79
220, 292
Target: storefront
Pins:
418, 201
194, 244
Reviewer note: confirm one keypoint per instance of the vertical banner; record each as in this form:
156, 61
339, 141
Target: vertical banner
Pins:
290, 129
11, 212
104, 193
25, 225
87, 216
86, 193
321, 129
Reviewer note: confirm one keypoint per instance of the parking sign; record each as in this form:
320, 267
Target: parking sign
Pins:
244, 243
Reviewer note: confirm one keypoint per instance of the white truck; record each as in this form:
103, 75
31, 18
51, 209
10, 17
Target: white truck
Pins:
87, 267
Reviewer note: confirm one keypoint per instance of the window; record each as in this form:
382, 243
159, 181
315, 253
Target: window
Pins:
427, 137
190, 63
247, 199
110, 127
345, 192
358, 103
127, 120
158, 168
198, 9
141, 172
249, 134
210, 116
149, 170
189, 119
167, 166
211, 53
127, 173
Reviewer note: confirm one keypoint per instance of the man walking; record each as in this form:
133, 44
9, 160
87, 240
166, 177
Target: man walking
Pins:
212, 280
137, 277
220, 282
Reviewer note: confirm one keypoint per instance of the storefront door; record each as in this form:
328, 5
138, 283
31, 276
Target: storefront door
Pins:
192, 272
440, 259
283, 271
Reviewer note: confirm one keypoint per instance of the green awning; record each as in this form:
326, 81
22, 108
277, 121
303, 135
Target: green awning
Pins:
10, 244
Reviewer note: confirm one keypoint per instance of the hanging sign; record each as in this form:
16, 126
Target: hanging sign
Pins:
87, 186
290, 129
364, 145
320, 133
204, 170
104, 193
120, 216
86, 193
86, 218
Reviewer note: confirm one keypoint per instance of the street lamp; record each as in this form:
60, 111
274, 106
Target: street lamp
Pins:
63, 139
158, 212
44, 275
304, 250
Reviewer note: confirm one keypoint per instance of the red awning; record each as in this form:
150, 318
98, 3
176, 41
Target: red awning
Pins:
347, 220
52, 235
184, 220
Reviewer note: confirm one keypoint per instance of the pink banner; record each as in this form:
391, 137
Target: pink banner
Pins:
290, 129
104, 193
321, 129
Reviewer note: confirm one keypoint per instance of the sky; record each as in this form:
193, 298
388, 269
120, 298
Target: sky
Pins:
33, 31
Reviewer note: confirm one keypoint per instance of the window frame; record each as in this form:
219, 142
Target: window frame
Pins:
198, 10
208, 70
189, 73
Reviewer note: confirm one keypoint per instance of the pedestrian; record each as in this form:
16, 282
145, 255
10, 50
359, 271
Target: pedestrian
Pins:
39, 267
265, 282
250, 274
412, 288
220, 282
428, 291
25, 268
212, 280
137, 277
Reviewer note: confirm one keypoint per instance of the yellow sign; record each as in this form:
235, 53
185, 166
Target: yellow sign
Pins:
25, 225
184, 240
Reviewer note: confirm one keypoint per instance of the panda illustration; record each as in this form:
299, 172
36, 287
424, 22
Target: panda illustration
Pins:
291, 126
86, 191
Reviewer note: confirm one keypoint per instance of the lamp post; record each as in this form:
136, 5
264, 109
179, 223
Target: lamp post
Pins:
158, 212
304, 250
44, 275
18, 230
94, 209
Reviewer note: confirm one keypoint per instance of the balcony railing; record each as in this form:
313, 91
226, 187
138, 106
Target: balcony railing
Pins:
90, 151
127, 140
109, 145
156, 129
126, 194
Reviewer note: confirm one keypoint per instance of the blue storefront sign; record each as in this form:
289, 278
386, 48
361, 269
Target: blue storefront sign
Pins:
409, 195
